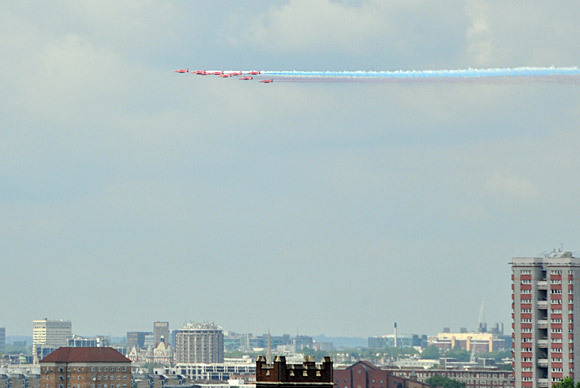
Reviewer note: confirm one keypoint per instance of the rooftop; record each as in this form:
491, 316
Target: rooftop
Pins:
102, 354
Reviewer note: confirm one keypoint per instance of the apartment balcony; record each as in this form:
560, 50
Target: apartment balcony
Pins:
543, 382
542, 285
542, 343
543, 362
542, 304
542, 323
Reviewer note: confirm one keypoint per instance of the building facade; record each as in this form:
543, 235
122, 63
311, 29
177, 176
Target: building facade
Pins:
282, 375
2, 340
136, 339
48, 335
161, 330
472, 378
85, 368
363, 374
197, 343
545, 339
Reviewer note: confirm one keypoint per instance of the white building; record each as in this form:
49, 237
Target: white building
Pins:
48, 335
197, 343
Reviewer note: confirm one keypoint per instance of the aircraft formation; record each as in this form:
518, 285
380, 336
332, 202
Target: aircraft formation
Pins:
247, 76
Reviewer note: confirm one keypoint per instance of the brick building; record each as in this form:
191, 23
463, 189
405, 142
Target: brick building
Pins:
85, 368
545, 337
282, 375
363, 374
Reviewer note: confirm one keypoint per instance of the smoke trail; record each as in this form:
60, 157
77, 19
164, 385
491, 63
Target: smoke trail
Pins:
520, 74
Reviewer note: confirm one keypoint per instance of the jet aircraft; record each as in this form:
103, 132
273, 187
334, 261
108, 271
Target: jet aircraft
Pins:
267, 81
181, 70
246, 78
254, 72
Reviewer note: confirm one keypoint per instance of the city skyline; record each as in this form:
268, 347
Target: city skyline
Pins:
133, 194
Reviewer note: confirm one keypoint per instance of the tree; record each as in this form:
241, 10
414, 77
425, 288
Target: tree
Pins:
444, 382
459, 354
430, 353
567, 382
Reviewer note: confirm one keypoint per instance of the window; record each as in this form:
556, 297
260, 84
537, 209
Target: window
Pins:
555, 281
525, 272
526, 281
526, 310
556, 272
526, 291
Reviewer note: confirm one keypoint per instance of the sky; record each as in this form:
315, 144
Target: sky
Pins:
131, 194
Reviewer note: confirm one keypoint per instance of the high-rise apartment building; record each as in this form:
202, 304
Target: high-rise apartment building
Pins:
48, 335
545, 339
197, 343
160, 329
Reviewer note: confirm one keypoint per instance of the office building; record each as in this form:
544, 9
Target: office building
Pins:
197, 343
2, 340
136, 339
545, 339
85, 368
161, 330
48, 335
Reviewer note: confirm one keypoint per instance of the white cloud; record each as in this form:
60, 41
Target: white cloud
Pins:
512, 186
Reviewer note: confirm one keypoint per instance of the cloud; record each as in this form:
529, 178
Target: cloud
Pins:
478, 35
513, 186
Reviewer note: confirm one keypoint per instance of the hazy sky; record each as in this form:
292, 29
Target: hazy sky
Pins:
130, 194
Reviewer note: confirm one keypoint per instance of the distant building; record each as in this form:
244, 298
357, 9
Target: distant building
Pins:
546, 340
302, 341
162, 354
472, 342
161, 330
19, 380
149, 341
81, 342
85, 368
197, 343
473, 378
363, 374
403, 340
48, 335
282, 375
211, 372
136, 339
2, 340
